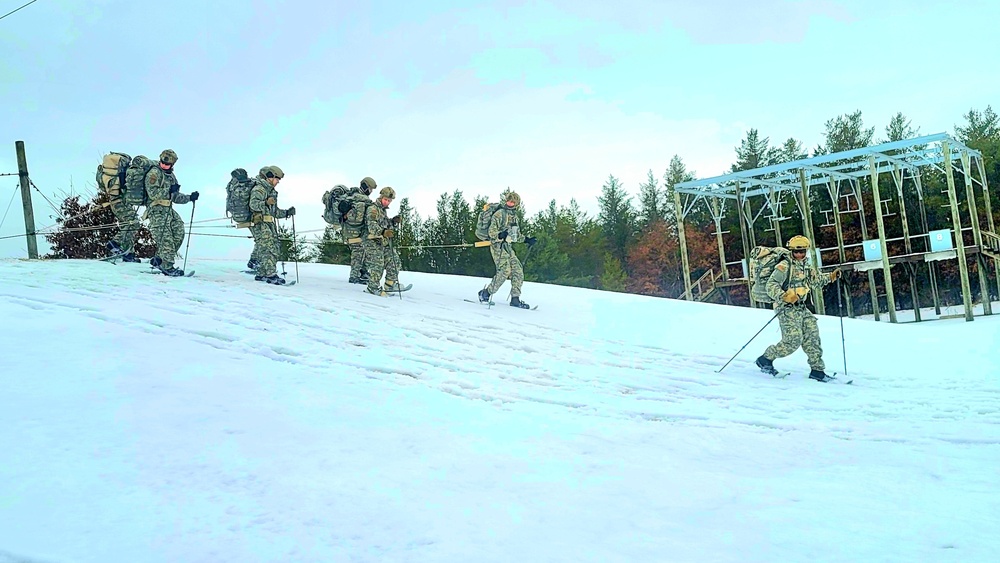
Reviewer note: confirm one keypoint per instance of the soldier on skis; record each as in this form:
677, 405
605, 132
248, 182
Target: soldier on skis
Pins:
264, 206
504, 231
798, 324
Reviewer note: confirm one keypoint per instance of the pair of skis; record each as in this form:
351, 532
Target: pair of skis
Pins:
492, 303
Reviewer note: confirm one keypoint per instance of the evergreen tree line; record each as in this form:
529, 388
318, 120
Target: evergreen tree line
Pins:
632, 244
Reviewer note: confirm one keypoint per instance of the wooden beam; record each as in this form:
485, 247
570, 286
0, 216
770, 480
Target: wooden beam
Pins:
890, 298
956, 222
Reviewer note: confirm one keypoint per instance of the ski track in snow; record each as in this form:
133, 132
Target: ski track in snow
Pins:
657, 370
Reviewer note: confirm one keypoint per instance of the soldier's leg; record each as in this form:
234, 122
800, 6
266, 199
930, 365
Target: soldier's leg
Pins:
391, 266
502, 260
811, 344
790, 320
161, 226
374, 263
268, 251
255, 255
516, 276
128, 225
357, 262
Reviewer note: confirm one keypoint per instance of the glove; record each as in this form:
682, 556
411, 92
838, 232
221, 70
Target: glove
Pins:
790, 297
193, 196
240, 175
396, 220
290, 212
530, 241
502, 235
344, 207
834, 275
271, 201
388, 233
175, 188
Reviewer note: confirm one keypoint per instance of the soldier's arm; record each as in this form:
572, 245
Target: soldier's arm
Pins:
374, 220
280, 213
178, 197
777, 279
257, 197
152, 180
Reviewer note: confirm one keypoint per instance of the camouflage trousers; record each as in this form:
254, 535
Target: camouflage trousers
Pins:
508, 268
167, 229
357, 260
798, 328
380, 258
265, 248
128, 224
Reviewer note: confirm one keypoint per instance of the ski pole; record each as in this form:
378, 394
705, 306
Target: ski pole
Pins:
190, 224
748, 343
295, 251
840, 305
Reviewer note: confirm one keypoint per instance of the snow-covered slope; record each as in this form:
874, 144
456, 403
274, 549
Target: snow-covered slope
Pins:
214, 418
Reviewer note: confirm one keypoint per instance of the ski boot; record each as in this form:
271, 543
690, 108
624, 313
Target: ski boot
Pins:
113, 247
484, 296
819, 375
766, 365
377, 292
273, 279
130, 257
516, 302
252, 264
172, 272
155, 261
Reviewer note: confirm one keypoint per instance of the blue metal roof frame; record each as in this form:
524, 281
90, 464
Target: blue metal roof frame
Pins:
844, 165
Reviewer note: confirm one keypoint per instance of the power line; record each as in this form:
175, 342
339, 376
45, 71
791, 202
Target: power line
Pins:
25, 6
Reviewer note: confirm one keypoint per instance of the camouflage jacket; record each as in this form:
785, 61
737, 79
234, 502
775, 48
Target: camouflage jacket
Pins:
264, 199
158, 182
801, 277
376, 222
505, 220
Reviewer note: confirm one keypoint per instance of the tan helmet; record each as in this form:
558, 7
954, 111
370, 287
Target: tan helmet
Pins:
274, 171
168, 157
798, 242
367, 185
387, 193
511, 195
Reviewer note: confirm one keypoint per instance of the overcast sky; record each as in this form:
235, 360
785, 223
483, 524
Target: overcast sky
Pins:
548, 98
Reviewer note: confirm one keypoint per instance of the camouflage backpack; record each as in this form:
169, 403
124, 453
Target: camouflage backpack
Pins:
763, 260
485, 216
354, 220
113, 165
331, 204
135, 180
238, 196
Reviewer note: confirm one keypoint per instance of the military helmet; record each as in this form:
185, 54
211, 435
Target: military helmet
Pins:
273, 172
367, 185
511, 195
388, 193
168, 157
798, 242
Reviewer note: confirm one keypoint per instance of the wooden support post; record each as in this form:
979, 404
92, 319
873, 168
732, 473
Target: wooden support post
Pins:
931, 266
897, 177
890, 298
682, 238
834, 190
773, 199
977, 235
956, 221
29, 213
872, 290
807, 229
989, 213
717, 208
741, 217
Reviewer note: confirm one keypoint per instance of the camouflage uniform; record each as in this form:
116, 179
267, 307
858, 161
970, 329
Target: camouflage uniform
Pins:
128, 219
264, 205
798, 325
165, 224
358, 249
376, 240
508, 266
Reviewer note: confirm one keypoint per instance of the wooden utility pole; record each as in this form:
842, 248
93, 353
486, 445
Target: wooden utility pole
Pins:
29, 214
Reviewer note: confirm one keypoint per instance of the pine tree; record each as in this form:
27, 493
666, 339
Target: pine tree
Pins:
331, 250
613, 275
617, 217
89, 229
287, 251
754, 152
651, 201
676, 173
846, 132
900, 128
979, 127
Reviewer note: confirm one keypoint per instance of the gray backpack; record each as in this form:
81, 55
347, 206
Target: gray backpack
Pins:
238, 196
135, 180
